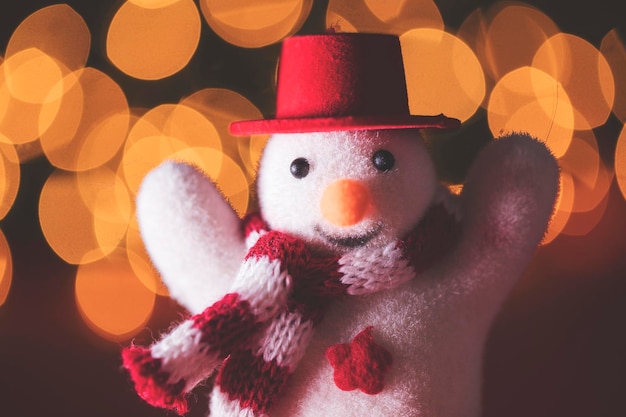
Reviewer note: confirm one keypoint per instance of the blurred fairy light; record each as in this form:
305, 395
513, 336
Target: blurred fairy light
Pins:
450, 81
620, 161
152, 4
88, 125
506, 36
613, 50
36, 64
591, 180
383, 16
84, 224
112, 301
153, 42
584, 73
9, 176
69, 46
162, 132
222, 106
6, 268
528, 99
30, 74
510, 60
253, 24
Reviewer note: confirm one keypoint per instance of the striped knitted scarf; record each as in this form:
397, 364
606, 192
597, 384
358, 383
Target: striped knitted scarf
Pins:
256, 334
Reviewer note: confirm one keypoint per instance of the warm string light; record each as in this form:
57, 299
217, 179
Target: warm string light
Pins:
253, 24
450, 81
151, 40
112, 301
382, 16
511, 59
620, 161
9, 176
6, 268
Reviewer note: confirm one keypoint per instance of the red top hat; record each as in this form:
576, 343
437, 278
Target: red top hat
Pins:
341, 81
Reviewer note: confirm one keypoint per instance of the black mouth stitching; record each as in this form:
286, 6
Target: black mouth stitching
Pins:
351, 241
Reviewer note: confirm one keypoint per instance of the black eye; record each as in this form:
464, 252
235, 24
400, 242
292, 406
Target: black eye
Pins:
299, 168
383, 160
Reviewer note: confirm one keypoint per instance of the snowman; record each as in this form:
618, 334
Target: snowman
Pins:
362, 287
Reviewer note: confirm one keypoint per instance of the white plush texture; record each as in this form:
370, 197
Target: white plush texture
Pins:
435, 325
293, 205
191, 234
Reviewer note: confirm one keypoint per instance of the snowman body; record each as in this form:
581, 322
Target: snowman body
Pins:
350, 193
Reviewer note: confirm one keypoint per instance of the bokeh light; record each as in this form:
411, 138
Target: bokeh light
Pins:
584, 73
614, 51
515, 33
6, 268
449, 81
43, 49
620, 161
255, 24
591, 180
382, 16
162, 132
527, 99
9, 177
582, 223
88, 125
221, 107
111, 299
153, 43
57, 31
19, 120
591, 177
84, 223
152, 4
106, 196
30, 75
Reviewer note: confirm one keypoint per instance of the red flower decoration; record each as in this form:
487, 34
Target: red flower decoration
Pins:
360, 364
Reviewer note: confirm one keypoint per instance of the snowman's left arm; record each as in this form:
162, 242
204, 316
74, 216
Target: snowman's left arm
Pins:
507, 201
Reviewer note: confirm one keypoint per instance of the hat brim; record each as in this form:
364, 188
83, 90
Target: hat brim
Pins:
326, 124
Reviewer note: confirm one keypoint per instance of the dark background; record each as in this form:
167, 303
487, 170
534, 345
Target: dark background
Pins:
557, 349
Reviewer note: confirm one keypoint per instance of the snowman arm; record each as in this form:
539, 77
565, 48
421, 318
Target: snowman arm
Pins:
192, 235
165, 372
507, 202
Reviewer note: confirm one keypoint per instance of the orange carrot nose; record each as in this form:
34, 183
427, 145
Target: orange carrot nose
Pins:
345, 202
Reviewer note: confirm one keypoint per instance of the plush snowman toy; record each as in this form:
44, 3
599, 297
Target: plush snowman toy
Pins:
362, 287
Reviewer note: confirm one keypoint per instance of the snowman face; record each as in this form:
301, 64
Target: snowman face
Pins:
343, 190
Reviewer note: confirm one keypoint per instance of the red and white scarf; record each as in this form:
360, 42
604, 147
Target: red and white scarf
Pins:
258, 332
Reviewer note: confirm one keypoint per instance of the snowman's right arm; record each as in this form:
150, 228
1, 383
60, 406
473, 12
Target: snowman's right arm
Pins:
192, 234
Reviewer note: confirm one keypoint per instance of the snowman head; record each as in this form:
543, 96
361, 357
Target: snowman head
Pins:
345, 167
342, 190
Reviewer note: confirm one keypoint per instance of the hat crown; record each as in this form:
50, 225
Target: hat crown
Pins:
335, 75
341, 81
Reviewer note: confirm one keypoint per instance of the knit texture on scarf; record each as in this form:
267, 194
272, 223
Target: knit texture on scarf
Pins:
258, 332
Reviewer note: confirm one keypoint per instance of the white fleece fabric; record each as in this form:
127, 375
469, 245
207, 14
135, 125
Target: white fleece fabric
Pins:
434, 326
